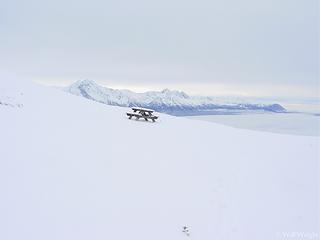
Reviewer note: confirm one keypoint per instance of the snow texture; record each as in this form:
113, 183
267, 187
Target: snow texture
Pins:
77, 169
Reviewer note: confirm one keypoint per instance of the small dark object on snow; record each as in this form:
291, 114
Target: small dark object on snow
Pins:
186, 230
142, 113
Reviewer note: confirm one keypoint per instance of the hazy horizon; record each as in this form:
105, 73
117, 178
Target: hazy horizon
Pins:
192, 89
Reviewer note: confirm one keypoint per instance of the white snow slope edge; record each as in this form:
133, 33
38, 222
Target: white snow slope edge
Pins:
77, 169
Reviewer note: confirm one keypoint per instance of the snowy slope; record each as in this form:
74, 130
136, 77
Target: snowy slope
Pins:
77, 169
167, 101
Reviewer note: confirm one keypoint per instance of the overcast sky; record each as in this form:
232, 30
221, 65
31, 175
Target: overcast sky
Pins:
236, 47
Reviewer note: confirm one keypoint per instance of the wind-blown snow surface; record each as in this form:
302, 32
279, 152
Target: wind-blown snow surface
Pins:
172, 102
286, 123
77, 169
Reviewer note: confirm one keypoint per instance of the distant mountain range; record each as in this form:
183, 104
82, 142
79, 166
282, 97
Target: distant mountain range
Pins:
167, 101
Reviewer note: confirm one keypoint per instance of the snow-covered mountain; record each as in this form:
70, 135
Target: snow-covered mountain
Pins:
77, 169
167, 101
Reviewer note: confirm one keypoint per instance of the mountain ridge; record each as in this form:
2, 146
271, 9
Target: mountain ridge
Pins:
167, 101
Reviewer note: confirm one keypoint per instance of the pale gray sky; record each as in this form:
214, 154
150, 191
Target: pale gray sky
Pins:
237, 47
